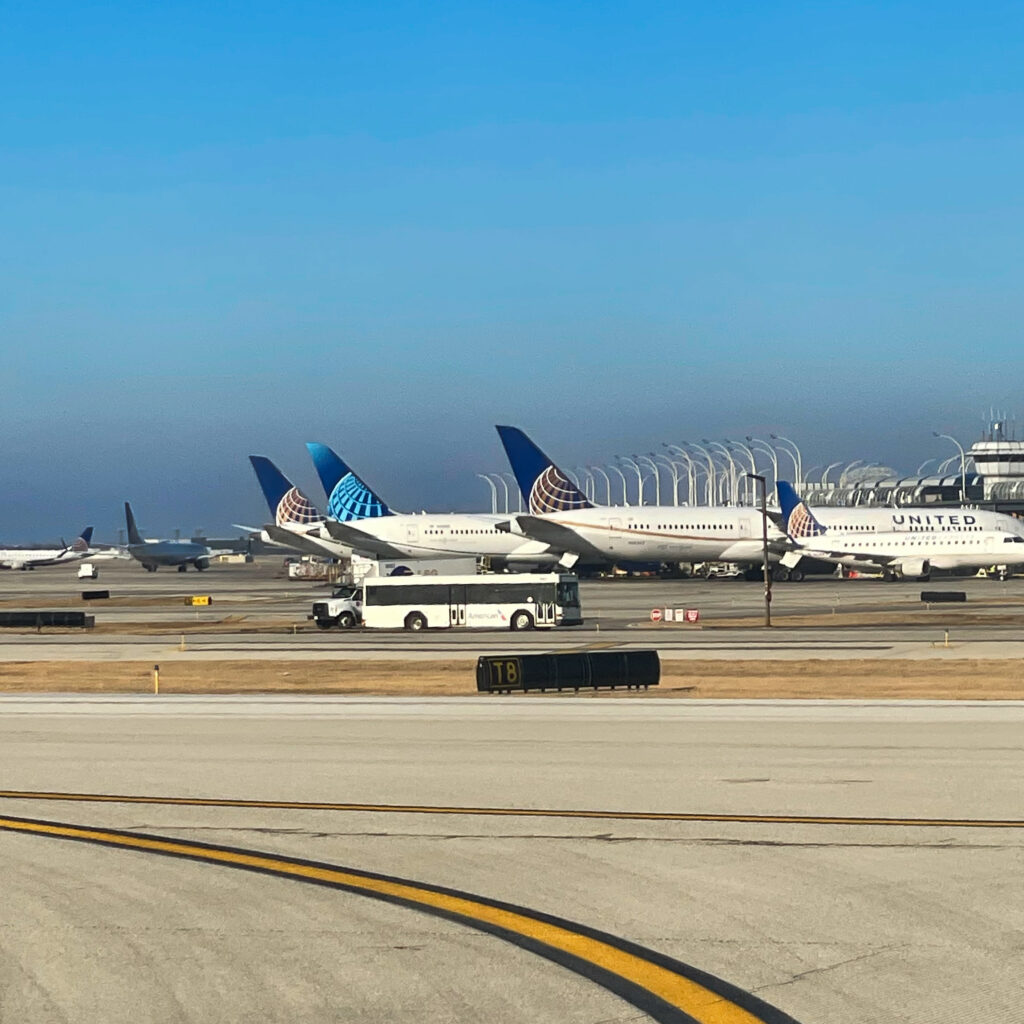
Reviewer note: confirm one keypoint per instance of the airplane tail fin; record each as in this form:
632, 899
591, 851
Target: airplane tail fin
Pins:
287, 503
134, 537
82, 541
797, 518
544, 486
348, 498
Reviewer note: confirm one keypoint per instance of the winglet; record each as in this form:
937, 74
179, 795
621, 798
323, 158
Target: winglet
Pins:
134, 537
348, 498
544, 486
798, 520
287, 503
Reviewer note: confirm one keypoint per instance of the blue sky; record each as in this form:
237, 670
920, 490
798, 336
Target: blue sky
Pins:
234, 228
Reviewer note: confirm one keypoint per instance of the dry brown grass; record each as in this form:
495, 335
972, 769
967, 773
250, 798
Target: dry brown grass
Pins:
852, 679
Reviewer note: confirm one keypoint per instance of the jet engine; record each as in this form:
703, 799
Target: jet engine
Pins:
203, 562
915, 568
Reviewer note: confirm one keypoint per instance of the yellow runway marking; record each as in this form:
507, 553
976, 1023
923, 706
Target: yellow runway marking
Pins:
670, 991
516, 812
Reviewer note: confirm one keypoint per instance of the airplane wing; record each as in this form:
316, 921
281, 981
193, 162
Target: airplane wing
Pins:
298, 541
560, 537
362, 542
867, 557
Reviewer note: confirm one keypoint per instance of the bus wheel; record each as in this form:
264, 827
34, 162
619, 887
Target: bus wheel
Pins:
415, 622
346, 620
521, 620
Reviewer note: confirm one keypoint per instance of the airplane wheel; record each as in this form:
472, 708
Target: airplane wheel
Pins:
182, 568
796, 575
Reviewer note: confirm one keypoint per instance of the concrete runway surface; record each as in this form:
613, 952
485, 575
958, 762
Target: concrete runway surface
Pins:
824, 920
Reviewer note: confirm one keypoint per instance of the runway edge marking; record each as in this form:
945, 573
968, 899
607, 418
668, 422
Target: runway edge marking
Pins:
512, 812
668, 990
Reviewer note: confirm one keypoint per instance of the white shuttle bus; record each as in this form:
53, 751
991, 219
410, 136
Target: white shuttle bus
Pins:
521, 601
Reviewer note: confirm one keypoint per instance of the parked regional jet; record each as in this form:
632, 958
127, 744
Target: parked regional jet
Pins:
32, 558
914, 542
561, 516
371, 528
297, 521
153, 554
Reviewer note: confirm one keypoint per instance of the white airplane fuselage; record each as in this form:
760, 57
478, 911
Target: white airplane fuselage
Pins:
32, 558
914, 520
661, 533
914, 553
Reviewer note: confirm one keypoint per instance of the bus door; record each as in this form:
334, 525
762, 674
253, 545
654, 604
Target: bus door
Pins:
457, 606
545, 613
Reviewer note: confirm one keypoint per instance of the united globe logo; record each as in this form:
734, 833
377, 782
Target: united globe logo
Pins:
352, 499
295, 507
802, 524
553, 492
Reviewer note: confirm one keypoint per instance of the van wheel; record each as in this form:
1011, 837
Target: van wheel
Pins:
324, 623
521, 620
414, 621
346, 620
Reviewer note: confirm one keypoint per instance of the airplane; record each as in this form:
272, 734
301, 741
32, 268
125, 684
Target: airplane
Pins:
153, 554
297, 521
560, 515
32, 558
905, 519
954, 539
366, 523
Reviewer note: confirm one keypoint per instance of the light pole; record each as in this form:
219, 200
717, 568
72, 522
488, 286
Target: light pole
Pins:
734, 495
515, 488
639, 478
920, 469
494, 492
710, 490
764, 541
842, 476
615, 469
691, 473
946, 463
799, 462
657, 476
763, 446
607, 484
501, 480
824, 476
963, 463
590, 487
753, 464
673, 468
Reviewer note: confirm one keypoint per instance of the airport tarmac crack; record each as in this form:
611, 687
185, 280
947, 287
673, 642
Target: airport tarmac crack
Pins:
801, 975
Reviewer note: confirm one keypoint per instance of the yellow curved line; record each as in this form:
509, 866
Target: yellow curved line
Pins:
678, 991
515, 812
